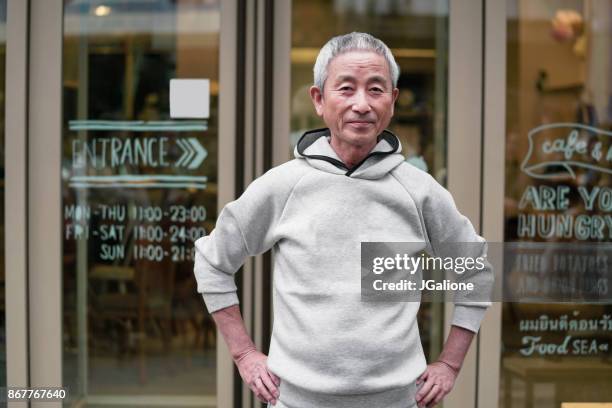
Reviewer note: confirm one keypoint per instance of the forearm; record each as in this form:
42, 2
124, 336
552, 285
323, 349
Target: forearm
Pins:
456, 347
232, 328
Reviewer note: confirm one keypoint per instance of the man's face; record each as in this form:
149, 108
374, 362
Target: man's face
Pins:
358, 96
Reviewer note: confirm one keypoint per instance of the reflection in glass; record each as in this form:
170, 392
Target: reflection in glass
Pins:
138, 189
417, 33
559, 93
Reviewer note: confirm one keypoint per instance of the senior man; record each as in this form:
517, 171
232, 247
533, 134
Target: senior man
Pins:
348, 184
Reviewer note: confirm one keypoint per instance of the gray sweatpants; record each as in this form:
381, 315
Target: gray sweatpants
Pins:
295, 397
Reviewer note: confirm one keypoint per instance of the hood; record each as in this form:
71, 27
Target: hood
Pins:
314, 147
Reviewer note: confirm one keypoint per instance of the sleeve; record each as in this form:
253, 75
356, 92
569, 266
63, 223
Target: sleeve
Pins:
451, 234
245, 227
217, 258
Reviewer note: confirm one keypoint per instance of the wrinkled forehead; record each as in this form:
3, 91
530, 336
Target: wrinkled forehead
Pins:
359, 65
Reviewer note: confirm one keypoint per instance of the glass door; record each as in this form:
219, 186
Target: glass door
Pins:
549, 84
121, 185
559, 94
138, 188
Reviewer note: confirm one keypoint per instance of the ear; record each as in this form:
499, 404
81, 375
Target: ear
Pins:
317, 99
395, 94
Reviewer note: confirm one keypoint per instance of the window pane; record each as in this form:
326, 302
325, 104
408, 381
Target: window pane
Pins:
559, 83
138, 188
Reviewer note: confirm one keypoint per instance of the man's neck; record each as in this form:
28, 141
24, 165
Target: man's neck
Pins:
351, 154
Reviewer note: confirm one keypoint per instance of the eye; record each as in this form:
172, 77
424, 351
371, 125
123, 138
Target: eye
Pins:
346, 88
376, 89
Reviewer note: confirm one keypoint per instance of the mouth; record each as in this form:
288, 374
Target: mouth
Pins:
360, 122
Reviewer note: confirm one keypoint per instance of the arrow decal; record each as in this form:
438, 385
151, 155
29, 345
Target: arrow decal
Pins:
193, 153
201, 153
186, 152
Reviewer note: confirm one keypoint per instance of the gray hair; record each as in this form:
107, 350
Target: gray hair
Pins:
350, 42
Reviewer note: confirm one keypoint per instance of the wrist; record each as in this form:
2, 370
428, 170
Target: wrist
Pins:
239, 356
453, 368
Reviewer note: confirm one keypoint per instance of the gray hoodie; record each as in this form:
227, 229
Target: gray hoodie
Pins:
328, 347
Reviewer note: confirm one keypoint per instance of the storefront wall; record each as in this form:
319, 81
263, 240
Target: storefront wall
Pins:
89, 327
547, 77
99, 293
558, 93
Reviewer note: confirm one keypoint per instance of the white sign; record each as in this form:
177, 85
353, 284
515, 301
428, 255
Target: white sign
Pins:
189, 98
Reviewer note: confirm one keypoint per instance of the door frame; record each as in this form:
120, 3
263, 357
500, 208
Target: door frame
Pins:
227, 172
493, 180
15, 212
44, 194
464, 138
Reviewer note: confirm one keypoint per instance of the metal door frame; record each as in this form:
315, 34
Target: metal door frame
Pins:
228, 61
493, 180
465, 82
15, 213
260, 29
44, 194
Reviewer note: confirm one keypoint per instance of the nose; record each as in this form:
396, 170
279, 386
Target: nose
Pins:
360, 103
